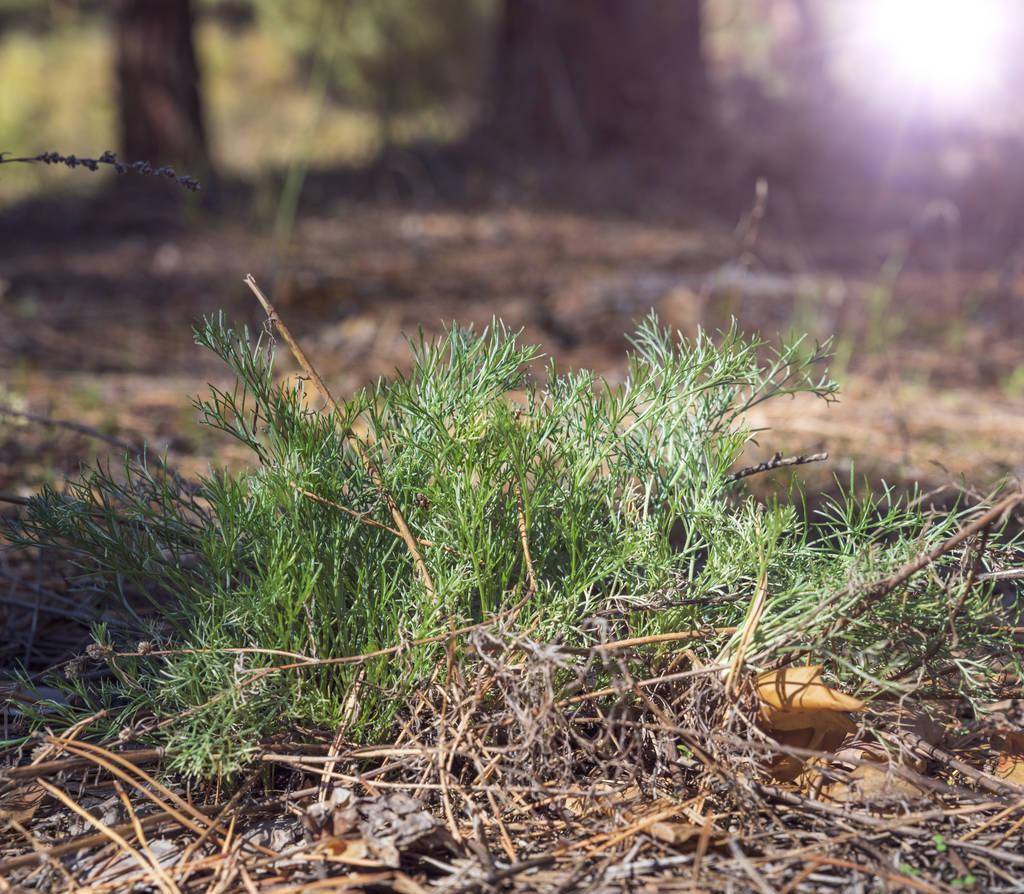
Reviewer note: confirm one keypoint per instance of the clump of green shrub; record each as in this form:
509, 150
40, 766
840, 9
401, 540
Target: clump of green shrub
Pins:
544, 498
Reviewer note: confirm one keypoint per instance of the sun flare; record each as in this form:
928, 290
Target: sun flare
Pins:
949, 50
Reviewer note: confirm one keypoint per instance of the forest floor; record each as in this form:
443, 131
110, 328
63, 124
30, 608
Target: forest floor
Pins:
95, 317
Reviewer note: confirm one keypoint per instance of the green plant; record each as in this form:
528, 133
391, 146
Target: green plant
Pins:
546, 501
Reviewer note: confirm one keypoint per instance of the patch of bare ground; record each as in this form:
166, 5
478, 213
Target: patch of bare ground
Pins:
99, 331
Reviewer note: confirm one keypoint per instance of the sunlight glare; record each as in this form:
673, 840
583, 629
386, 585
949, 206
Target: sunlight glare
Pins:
947, 49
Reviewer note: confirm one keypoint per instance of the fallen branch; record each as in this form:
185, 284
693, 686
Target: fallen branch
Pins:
777, 462
876, 591
138, 757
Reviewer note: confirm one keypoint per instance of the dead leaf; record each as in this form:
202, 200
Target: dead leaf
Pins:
375, 831
674, 833
21, 804
1010, 768
870, 776
823, 730
802, 689
353, 851
798, 710
333, 818
1013, 744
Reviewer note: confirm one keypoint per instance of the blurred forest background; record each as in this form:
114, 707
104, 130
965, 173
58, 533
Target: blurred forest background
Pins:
849, 169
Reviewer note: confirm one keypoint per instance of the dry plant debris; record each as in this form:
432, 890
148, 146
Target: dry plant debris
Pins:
750, 712
496, 781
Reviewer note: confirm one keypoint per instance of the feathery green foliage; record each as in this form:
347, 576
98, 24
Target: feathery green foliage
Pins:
629, 508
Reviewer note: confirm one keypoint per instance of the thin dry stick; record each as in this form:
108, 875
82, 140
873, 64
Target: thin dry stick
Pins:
40, 855
348, 710
933, 647
259, 674
603, 841
972, 576
1013, 830
877, 590
140, 836
650, 681
371, 468
233, 801
366, 519
531, 576
152, 821
986, 780
100, 756
749, 868
877, 871
777, 462
702, 843
1003, 574
993, 820
614, 645
111, 761
64, 765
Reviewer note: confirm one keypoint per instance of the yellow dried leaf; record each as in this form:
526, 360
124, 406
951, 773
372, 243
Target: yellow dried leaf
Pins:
816, 730
827, 735
800, 711
1010, 768
801, 689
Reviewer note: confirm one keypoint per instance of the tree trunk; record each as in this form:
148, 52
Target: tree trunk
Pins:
160, 106
592, 76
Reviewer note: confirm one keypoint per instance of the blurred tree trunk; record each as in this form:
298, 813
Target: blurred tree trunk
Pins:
588, 76
158, 76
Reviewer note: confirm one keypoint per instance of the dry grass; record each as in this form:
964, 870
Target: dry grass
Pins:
510, 773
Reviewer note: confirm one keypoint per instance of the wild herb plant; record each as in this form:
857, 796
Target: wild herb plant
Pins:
571, 507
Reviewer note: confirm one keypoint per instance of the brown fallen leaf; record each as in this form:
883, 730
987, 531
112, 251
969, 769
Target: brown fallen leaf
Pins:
802, 689
333, 818
353, 851
21, 804
375, 831
798, 710
1013, 744
870, 776
827, 729
1010, 768
815, 730
674, 833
